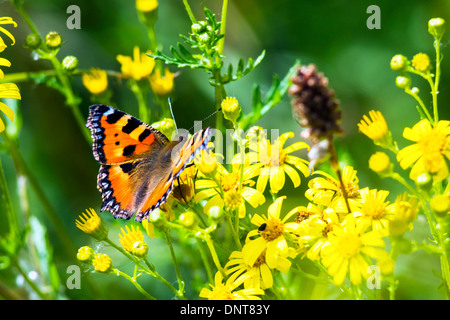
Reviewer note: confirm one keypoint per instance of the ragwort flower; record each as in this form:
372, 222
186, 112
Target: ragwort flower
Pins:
96, 80
270, 237
137, 67
374, 210
326, 190
376, 128
349, 250
275, 161
227, 290
228, 182
162, 85
6, 20
427, 155
91, 224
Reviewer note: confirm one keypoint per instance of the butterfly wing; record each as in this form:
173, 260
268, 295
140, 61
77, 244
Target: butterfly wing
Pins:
120, 143
138, 163
119, 137
171, 162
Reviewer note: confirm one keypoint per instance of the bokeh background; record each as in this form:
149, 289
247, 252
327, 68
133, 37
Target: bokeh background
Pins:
331, 34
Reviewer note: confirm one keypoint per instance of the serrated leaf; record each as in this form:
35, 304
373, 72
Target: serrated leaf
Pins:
177, 56
256, 98
185, 52
210, 17
240, 69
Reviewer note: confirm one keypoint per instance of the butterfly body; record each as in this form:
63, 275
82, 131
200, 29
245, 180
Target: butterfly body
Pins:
138, 163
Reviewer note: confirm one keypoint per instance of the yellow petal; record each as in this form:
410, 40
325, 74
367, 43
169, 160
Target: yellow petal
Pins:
252, 196
275, 208
277, 179
7, 110
293, 175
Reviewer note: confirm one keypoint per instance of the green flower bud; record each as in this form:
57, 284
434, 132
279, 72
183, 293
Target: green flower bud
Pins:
215, 212
53, 40
139, 249
157, 216
403, 82
399, 63
204, 37
187, 219
70, 63
424, 181
436, 27
33, 41
199, 27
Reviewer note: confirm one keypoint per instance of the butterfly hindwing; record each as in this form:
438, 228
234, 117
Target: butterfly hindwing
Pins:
180, 153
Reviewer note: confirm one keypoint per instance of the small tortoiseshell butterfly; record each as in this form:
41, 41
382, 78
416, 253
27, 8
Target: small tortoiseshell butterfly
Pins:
138, 163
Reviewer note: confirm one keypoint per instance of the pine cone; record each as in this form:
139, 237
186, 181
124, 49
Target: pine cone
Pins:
314, 105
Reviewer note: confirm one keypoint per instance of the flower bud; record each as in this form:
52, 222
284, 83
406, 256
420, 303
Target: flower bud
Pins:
424, 181
53, 40
102, 263
380, 163
436, 27
403, 82
440, 205
231, 108
33, 41
187, 219
421, 62
157, 216
70, 63
215, 212
139, 249
399, 63
199, 27
85, 254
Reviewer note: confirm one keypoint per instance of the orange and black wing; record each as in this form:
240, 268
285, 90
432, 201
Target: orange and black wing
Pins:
120, 143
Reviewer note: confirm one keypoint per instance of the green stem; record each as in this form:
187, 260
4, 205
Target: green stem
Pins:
421, 104
181, 283
144, 113
189, 12
223, 26
400, 179
437, 78
209, 271
134, 282
207, 238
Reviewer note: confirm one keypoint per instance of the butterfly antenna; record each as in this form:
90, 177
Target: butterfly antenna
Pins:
171, 112
208, 117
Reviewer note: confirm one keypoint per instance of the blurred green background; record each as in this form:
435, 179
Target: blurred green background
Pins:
331, 34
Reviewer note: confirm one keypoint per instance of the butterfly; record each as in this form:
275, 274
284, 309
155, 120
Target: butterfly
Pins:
138, 163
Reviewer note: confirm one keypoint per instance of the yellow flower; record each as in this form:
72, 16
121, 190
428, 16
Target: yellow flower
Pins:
91, 224
375, 210
227, 290
326, 190
376, 129
271, 237
432, 144
96, 80
146, 5
8, 91
421, 62
403, 213
206, 162
133, 240
380, 163
229, 184
102, 263
349, 250
275, 162
313, 232
6, 20
162, 85
260, 275
138, 67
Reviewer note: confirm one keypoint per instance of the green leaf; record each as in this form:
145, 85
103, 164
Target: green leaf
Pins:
211, 18
5, 262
